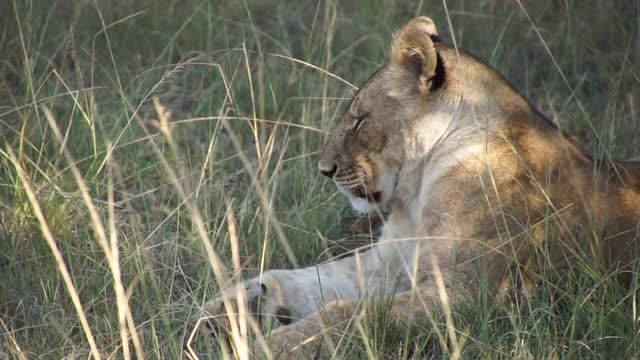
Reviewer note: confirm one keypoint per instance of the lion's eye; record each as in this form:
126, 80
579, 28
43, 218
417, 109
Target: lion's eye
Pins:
358, 121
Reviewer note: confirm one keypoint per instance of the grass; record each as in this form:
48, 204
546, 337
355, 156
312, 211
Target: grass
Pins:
145, 144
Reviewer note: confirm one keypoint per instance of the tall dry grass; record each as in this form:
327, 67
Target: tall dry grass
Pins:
153, 152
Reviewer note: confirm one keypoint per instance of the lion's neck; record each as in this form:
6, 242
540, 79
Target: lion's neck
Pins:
442, 142
463, 133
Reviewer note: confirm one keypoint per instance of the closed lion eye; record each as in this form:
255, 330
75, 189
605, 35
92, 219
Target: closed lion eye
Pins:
358, 121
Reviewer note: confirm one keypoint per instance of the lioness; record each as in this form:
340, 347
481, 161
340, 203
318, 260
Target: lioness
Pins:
484, 192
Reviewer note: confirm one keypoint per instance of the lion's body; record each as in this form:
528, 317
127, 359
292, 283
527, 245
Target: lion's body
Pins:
484, 192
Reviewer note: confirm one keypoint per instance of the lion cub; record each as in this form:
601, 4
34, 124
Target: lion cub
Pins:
483, 189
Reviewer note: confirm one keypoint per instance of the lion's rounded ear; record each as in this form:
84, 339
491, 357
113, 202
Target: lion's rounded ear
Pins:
413, 49
423, 24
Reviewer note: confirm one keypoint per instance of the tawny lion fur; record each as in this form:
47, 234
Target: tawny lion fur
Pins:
483, 190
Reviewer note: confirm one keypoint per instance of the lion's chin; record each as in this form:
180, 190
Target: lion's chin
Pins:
362, 205
366, 204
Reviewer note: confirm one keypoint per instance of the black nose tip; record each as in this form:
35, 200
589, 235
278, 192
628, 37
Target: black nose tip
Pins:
330, 173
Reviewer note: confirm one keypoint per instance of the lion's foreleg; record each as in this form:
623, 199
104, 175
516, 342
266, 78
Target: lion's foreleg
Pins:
285, 295
325, 329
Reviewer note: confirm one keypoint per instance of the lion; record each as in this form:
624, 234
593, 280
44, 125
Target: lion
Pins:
484, 191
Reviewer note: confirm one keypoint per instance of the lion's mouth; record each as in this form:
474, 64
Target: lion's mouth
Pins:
375, 197
361, 188
362, 193
362, 200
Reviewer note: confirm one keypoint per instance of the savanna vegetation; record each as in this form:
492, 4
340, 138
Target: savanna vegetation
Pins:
146, 146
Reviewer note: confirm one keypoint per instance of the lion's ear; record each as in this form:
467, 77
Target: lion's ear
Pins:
413, 49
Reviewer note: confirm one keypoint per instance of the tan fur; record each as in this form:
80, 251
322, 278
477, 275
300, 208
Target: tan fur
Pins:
476, 178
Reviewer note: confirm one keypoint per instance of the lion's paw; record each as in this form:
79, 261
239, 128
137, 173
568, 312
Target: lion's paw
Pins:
288, 342
258, 298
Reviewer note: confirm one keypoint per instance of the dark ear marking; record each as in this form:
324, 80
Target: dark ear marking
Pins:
413, 48
437, 81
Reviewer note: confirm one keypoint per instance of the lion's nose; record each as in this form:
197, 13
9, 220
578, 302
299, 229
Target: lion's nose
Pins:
329, 172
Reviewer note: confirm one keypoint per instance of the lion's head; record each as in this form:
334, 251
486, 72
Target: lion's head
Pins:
374, 137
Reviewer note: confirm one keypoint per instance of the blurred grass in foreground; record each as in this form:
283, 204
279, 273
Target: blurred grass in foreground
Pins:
134, 196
